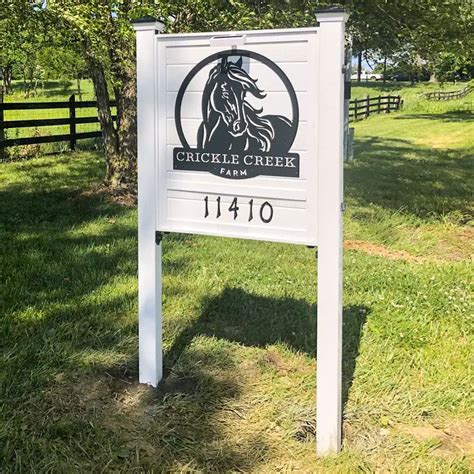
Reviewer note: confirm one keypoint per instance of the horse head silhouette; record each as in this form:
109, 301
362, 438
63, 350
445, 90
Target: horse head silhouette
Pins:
230, 122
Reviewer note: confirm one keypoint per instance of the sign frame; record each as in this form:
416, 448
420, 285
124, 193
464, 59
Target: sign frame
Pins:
330, 123
289, 194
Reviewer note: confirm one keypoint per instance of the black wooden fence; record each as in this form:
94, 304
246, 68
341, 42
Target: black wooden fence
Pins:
362, 108
72, 105
448, 95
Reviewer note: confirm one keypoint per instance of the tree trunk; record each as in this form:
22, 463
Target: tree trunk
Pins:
359, 66
25, 83
119, 139
35, 85
433, 77
7, 78
79, 90
113, 177
384, 77
126, 96
122, 60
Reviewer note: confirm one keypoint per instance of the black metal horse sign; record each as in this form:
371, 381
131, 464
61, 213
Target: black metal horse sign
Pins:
235, 139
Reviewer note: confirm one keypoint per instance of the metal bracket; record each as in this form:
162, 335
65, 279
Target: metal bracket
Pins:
228, 40
343, 206
158, 237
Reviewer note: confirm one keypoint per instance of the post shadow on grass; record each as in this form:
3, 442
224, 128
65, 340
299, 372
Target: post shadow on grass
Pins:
398, 175
182, 414
258, 321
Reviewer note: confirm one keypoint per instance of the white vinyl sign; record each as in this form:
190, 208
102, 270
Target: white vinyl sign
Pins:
237, 142
241, 134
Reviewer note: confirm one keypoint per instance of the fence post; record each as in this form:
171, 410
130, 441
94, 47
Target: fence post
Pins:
387, 109
72, 122
355, 109
3, 151
379, 103
367, 102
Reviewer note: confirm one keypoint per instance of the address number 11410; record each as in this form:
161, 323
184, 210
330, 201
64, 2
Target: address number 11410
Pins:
216, 207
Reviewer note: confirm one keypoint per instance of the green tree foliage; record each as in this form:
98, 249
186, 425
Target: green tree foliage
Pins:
18, 36
32, 50
224, 15
419, 32
451, 67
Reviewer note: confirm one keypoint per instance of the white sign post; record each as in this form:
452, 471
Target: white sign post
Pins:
240, 134
331, 140
149, 254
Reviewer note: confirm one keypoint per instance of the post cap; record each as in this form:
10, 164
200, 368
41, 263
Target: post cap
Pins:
330, 8
147, 23
331, 13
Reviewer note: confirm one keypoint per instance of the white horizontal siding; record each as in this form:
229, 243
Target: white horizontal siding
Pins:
294, 51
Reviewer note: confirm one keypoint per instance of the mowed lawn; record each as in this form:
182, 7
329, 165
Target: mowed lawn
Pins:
239, 322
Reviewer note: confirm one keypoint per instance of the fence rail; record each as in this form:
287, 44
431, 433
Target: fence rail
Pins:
363, 108
47, 105
448, 95
71, 106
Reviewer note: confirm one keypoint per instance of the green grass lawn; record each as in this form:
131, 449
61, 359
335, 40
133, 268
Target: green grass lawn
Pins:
239, 324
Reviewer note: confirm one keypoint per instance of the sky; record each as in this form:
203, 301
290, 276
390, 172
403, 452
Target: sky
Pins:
365, 65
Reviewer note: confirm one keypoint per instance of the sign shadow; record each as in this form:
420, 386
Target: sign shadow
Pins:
259, 321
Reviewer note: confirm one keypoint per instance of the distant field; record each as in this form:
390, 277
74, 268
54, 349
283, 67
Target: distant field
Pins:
239, 321
52, 91
411, 94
